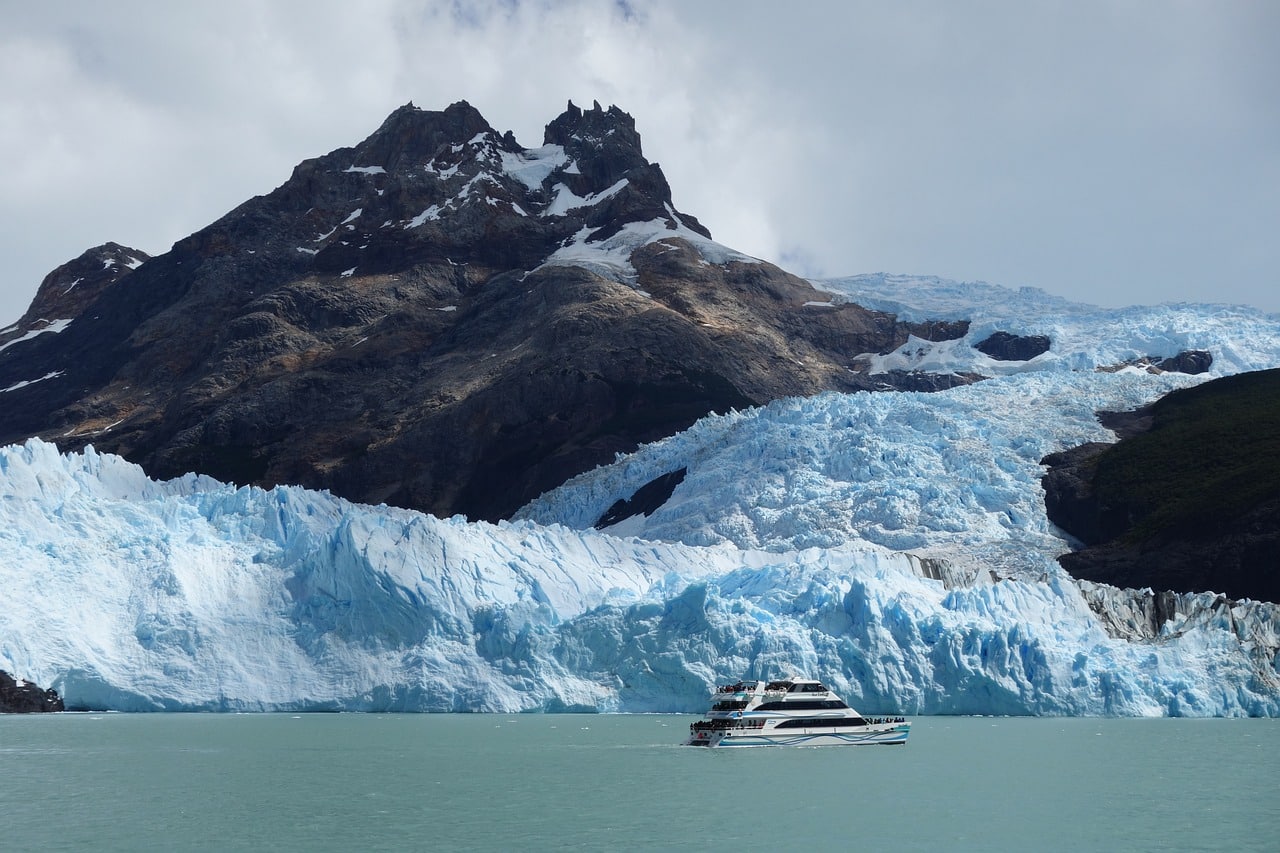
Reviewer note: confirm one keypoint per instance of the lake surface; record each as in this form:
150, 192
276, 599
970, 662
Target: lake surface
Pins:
315, 782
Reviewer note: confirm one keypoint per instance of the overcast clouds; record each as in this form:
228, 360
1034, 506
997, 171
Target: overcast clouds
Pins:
1110, 152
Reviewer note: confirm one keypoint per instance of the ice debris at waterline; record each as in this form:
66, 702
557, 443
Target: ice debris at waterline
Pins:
126, 593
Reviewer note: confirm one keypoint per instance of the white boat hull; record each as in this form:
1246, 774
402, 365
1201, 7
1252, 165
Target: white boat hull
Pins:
868, 736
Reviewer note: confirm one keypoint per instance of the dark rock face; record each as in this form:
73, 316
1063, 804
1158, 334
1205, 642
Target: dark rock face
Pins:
1126, 424
647, 498
1068, 491
940, 330
1191, 362
914, 380
25, 698
1003, 346
606, 146
1233, 562
390, 324
1188, 500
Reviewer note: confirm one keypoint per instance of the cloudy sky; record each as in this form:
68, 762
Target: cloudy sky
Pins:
1110, 152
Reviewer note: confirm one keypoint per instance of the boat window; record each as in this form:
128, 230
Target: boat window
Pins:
801, 705
822, 723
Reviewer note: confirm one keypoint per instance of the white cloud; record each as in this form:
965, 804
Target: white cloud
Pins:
1107, 151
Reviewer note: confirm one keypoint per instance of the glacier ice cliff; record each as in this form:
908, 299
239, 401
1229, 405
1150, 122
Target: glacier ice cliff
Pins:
130, 594
894, 545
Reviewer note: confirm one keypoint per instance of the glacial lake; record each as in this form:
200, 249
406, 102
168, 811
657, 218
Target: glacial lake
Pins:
316, 782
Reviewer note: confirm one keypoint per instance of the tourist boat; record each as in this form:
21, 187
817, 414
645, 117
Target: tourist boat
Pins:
790, 712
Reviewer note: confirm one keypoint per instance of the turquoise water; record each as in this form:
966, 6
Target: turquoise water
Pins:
314, 782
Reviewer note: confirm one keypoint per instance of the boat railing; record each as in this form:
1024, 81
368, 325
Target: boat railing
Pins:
730, 705
740, 687
722, 725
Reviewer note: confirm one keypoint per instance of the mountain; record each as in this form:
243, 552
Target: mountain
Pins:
437, 318
1189, 500
442, 319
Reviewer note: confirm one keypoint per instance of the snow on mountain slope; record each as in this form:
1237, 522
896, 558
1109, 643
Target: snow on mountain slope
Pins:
611, 257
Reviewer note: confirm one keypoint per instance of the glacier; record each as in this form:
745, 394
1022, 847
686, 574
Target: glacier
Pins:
894, 545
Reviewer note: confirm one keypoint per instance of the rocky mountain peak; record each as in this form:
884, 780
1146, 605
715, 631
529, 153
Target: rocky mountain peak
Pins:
596, 128
607, 158
64, 293
411, 136
436, 318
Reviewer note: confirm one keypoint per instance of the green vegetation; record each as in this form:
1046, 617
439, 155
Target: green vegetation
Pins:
1212, 454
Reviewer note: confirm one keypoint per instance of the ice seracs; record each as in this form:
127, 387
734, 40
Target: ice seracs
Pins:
1084, 337
189, 594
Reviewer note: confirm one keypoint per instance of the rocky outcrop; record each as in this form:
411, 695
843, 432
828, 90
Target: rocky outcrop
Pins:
1003, 346
436, 318
23, 697
1187, 501
1069, 499
1190, 362
646, 499
939, 330
919, 380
